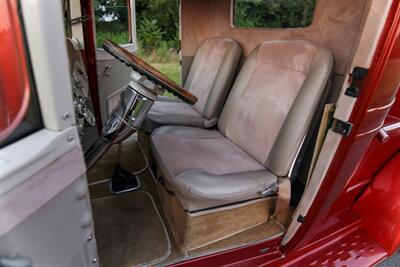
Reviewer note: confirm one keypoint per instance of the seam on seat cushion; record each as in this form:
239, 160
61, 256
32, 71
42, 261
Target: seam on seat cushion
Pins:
260, 186
192, 121
171, 112
184, 129
173, 108
283, 67
194, 139
228, 206
194, 199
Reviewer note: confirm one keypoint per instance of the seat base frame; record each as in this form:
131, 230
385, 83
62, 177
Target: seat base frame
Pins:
192, 230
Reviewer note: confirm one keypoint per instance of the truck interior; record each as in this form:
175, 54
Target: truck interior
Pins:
225, 162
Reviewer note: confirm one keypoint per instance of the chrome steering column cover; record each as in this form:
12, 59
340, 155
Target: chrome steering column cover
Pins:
135, 102
131, 110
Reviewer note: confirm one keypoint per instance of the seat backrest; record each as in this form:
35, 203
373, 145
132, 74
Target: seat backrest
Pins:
210, 75
274, 98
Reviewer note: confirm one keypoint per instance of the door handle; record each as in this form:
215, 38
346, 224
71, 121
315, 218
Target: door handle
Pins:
383, 135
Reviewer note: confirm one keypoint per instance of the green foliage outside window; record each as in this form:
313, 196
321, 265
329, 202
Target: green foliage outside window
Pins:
150, 34
273, 13
158, 24
158, 20
157, 30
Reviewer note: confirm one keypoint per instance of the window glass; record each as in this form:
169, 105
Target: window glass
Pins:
14, 83
19, 110
273, 13
158, 35
112, 21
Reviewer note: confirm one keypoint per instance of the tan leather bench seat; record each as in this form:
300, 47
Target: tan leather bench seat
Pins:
262, 126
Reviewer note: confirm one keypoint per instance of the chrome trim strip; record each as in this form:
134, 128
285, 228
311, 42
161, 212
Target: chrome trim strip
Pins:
382, 107
370, 131
391, 127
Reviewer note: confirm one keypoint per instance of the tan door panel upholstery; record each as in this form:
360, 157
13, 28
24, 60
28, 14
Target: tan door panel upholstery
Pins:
262, 126
209, 79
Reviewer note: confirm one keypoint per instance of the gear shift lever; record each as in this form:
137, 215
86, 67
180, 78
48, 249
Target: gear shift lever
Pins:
122, 180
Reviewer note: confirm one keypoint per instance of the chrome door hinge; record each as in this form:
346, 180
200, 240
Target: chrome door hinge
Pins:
342, 127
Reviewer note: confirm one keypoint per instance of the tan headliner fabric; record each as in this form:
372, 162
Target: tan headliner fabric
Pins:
334, 26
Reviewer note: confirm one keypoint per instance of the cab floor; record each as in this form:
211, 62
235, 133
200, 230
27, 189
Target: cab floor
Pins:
134, 215
129, 231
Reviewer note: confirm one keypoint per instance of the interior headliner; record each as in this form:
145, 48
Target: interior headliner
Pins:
335, 26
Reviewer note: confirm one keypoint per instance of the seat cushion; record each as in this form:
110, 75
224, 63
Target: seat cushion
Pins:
200, 190
171, 111
206, 169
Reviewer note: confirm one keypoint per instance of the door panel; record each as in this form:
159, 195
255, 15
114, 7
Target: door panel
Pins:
60, 232
15, 209
44, 147
44, 203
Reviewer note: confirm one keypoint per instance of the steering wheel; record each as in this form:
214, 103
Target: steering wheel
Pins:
135, 101
138, 65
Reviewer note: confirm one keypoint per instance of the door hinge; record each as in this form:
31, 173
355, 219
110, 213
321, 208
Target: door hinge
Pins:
342, 127
300, 218
358, 75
